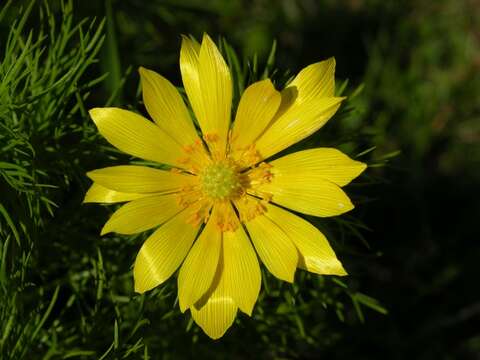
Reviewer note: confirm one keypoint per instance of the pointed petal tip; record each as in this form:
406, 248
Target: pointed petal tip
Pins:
144, 72
207, 41
290, 278
247, 311
346, 207
363, 166
137, 287
343, 206
85, 198
336, 268
267, 82
97, 115
182, 304
205, 36
94, 112
88, 197
338, 102
189, 47
214, 334
332, 270
89, 174
185, 37
359, 167
138, 290
247, 306
105, 230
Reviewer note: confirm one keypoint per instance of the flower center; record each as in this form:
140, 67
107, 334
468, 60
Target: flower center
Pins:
220, 181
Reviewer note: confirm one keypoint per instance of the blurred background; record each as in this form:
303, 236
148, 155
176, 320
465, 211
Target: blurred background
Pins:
413, 76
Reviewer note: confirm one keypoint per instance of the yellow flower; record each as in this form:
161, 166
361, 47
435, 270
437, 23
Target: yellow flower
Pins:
222, 195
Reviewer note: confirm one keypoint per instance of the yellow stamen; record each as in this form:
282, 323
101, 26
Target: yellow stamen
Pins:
200, 212
247, 156
260, 174
211, 138
221, 181
249, 208
225, 217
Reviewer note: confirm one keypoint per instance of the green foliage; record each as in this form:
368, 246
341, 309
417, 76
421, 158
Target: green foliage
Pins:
41, 100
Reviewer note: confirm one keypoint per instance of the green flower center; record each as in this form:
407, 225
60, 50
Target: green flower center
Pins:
220, 181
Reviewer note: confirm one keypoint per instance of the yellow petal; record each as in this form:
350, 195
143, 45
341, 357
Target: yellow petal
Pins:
258, 105
242, 275
316, 254
100, 194
304, 192
216, 87
217, 313
135, 135
163, 252
316, 80
166, 107
274, 247
189, 69
301, 119
208, 84
197, 272
324, 163
307, 104
140, 179
142, 214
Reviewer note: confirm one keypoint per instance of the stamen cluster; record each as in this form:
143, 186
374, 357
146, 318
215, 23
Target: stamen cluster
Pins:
221, 181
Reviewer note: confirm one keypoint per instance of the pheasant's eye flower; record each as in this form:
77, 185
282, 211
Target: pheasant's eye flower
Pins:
223, 202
